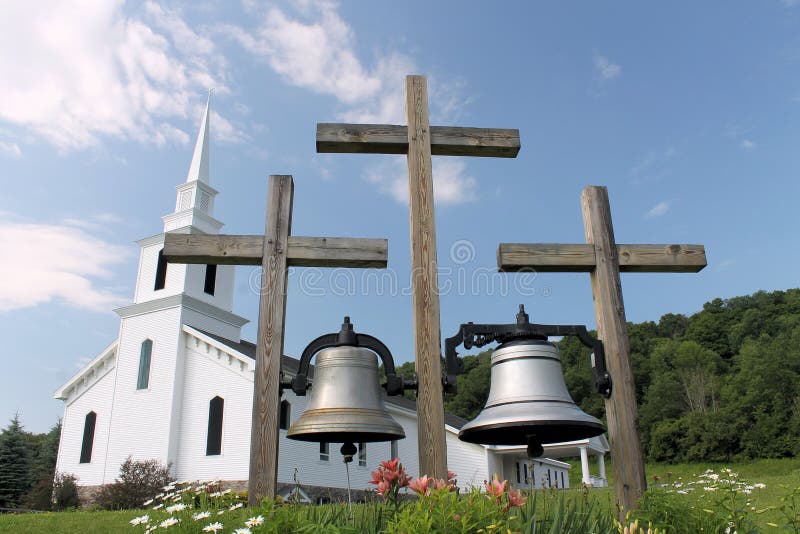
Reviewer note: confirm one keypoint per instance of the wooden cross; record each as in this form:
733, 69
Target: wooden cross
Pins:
604, 260
275, 251
419, 141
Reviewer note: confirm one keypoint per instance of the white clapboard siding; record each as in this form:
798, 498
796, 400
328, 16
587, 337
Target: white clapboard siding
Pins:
141, 420
467, 460
95, 399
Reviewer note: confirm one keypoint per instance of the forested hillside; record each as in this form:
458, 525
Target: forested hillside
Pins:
721, 384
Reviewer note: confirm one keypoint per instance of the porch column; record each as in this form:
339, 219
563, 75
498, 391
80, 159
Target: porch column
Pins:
601, 463
585, 466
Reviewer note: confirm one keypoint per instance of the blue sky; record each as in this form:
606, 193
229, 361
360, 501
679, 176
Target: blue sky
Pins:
687, 111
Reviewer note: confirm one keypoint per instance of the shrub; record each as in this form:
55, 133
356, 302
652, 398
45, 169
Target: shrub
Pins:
65, 492
137, 482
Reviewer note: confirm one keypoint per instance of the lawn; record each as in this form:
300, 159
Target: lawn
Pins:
772, 473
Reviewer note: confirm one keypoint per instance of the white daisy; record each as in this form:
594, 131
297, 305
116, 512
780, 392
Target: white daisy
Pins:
140, 520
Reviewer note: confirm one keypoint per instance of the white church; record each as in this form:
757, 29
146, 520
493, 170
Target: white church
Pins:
177, 386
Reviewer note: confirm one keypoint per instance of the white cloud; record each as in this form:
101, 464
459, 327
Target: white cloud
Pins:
316, 50
747, 144
658, 210
605, 69
11, 149
76, 72
51, 262
451, 183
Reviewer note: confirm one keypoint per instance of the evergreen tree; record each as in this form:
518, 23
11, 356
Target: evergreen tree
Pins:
15, 468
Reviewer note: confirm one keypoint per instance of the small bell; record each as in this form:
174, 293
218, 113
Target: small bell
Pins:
346, 403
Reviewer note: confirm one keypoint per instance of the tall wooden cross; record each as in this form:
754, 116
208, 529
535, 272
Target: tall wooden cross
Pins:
419, 141
604, 259
275, 251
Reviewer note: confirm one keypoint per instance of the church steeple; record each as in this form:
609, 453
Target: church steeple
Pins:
195, 203
198, 170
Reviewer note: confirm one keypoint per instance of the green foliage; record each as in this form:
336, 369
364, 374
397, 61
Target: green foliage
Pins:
137, 482
719, 385
15, 464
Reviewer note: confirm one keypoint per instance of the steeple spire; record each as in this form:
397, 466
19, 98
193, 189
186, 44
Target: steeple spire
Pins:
198, 170
194, 206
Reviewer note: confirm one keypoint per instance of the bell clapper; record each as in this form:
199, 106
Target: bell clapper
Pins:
535, 449
348, 450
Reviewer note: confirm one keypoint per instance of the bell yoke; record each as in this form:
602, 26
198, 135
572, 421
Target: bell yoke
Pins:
528, 403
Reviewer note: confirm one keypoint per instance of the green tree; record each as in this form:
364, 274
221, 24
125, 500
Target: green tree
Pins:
15, 468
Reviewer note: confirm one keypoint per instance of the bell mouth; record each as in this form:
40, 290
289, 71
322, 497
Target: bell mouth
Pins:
347, 437
342, 425
519, 433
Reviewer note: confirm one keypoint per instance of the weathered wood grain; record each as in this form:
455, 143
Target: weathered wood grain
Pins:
621, 410
269, 347
338, 252
393, 139
303, 251
556, 257
545, 257
661, 258
425, 289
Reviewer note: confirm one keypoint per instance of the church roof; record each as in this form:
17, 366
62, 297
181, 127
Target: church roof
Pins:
291, 365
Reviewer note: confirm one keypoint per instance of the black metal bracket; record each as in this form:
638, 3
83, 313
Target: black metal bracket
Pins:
395, 384
478, 335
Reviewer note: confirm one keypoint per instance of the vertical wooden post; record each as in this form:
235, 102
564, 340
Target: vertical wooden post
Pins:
621, 412
425, 284
269, 347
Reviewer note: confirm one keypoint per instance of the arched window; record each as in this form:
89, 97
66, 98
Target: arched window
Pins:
88, 437
214, 438
161, 271
324, 451
211, 279
144, 364
286, 413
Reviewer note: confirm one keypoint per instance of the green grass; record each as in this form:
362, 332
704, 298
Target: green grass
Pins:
773, 473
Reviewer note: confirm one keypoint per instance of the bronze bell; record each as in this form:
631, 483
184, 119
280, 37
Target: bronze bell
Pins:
346, 402
528, 400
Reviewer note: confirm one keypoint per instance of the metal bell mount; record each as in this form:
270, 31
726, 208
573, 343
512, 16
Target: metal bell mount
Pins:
346, 404
528, 400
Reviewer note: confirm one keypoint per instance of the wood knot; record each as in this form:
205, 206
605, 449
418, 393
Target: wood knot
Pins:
674, 249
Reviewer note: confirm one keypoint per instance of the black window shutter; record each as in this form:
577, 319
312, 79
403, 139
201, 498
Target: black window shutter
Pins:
161, 271
88, 437
214, 439
211, 279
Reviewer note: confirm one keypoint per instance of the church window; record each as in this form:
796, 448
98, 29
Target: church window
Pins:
362, 454
144, 364
161, 271
88, 437
562, 480
211, 279
324, 451
286, 412
394, 454
214, 438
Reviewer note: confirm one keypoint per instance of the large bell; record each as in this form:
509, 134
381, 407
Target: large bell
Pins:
346, 401
528, 400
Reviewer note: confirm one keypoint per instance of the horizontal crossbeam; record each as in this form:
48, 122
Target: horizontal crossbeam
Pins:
393, 139
302, 251
555, 257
